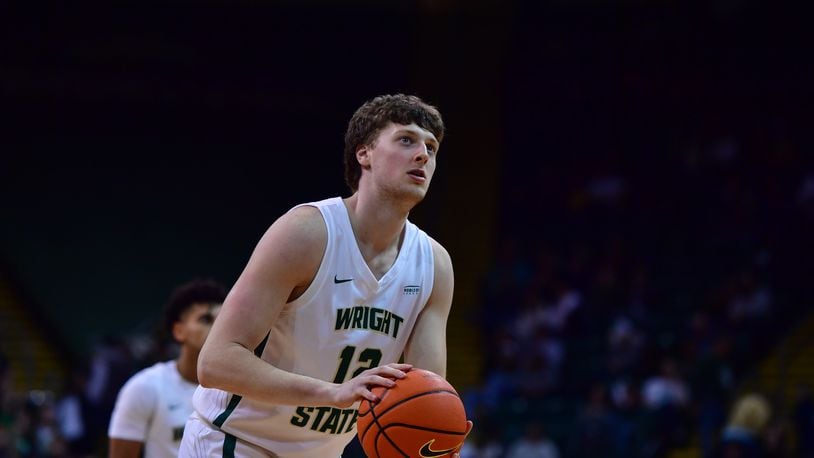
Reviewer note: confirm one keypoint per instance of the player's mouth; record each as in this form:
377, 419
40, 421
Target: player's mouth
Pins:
418, 175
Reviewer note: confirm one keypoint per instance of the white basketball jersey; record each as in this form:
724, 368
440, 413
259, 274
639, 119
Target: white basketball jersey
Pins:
345, 322
152, 407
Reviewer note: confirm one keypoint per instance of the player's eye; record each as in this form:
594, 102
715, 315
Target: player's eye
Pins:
406, 140
206, 318
430, 148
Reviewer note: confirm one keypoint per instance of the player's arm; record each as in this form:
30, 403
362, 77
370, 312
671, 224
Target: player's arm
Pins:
131, 416
427, 347
286, 259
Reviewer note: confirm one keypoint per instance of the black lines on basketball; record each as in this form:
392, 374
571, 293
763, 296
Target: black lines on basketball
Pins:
420, 410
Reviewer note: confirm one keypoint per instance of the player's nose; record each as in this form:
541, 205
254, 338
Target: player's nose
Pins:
422, 155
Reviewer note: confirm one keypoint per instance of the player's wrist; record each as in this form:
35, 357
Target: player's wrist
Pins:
330, 393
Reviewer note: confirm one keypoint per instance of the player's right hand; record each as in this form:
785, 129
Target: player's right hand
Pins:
457, 453
359, 387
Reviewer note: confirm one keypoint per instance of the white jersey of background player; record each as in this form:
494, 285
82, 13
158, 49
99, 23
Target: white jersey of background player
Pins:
153, 406
334, 293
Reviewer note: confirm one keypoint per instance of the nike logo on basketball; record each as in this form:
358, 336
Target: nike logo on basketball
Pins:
427, 452
338, 281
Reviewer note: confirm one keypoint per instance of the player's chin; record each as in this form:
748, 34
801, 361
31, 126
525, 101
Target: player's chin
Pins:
417, 193
411, 195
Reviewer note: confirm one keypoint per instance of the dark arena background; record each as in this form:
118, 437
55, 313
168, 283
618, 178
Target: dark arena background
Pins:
626, 190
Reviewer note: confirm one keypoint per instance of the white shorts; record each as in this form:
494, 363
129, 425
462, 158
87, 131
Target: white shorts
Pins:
202, 440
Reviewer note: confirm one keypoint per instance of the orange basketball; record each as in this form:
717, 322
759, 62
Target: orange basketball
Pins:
421, 416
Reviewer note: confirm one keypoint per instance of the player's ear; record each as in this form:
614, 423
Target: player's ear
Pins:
363, 155
179, 331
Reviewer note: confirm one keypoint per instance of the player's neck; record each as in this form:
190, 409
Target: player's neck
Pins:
187, 364
375, 224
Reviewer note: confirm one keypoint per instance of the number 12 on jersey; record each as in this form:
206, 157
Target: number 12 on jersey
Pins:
369, 357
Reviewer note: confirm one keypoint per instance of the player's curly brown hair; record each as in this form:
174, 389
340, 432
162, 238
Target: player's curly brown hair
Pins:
374, 115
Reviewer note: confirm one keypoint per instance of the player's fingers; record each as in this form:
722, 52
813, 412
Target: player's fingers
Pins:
378, 380
365, 393
391, 370
469, 425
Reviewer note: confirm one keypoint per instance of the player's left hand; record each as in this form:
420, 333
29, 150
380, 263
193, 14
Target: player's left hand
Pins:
469, 425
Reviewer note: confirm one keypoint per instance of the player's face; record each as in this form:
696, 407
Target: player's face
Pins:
195, 324
402, 159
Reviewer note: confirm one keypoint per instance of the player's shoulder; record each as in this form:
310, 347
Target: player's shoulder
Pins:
440, 254
295, 242
303, 223
300, 228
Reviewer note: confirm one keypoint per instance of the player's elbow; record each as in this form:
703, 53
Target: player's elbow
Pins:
217, 365
207, 374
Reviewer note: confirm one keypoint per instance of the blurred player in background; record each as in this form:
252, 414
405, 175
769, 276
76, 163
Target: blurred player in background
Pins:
333, 295
153, 406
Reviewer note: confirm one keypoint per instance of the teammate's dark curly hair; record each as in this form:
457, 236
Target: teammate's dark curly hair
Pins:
197, 291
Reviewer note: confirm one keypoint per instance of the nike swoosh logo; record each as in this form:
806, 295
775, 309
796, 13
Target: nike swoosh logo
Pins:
427, 452
337, 281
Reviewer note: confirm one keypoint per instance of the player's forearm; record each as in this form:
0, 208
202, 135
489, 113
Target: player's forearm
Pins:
431, 359
236, 369
427, 348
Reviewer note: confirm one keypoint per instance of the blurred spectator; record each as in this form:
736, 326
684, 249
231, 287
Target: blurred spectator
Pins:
48, 438
536, 377
752, 301
701, 336
639, 296
665, 389
499, 383
712, 379
549, 347
529, 316
110, 366
533, 444
23, 438
666, 397
625, 345
593, 434
483, 442
567, 301
628, 420
71, 415
505, 282
742, 436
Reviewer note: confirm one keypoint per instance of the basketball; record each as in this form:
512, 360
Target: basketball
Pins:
421, 416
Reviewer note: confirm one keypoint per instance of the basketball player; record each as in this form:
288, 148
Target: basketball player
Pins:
154, 404
334, 293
